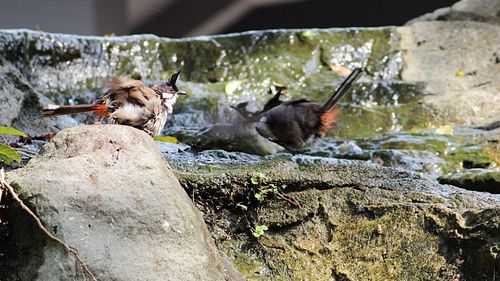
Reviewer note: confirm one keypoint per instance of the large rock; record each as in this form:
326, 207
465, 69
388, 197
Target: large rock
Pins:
347, 221
107, 191
459, 63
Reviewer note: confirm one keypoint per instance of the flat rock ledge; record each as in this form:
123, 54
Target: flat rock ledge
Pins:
347, 221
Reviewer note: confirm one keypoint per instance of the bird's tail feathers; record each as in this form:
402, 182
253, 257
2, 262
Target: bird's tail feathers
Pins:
342, 89
329, 119
54, 110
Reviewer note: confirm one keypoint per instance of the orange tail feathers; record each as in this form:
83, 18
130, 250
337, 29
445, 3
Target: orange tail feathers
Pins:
98, 109
329, 119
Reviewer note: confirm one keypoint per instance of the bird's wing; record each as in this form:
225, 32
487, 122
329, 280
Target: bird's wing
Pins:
143, 95
125, 90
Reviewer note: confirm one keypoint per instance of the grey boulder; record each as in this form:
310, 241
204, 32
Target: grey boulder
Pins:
107, 191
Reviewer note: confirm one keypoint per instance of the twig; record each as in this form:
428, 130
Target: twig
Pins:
72, 250
291, 200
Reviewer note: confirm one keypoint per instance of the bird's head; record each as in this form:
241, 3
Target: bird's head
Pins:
168, 90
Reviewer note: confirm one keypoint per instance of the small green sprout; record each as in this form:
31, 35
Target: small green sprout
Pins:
259, 230
262, 189
257, 178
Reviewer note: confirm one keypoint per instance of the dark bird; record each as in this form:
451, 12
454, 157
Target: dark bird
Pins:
130, 102
296, 124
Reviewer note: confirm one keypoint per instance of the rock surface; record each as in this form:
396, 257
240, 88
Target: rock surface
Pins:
469, 10
475, 179
240, 136
459, 63
347, 221
20, 104
336, 219
107, 191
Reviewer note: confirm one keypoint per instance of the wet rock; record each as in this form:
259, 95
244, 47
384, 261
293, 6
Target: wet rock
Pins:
306, 159
433, 153
20, 104
62, 66
411, 70
475, 179
210, 158
349, 220
466, 10
239, 136
107, 191
413, 160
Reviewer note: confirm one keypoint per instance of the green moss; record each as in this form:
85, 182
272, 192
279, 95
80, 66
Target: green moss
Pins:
347, 229
249, 264
390, 246
475, 179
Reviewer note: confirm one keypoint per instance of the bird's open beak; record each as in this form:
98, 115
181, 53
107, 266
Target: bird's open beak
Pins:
182, 93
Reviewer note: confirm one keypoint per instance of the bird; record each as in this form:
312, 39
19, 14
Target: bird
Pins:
130, 102
298, 123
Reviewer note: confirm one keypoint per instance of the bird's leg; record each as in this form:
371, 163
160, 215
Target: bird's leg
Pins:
149, 132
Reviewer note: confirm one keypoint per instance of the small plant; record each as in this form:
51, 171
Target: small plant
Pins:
262, 189
258, 178
259, 230
7, 153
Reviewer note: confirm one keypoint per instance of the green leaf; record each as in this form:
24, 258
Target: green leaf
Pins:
254, 180
259, 230
264, 191
259, 197
257, 178
8, 154
166, 139
11, 131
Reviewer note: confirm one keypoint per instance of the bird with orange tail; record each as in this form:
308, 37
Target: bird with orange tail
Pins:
130, 102
296, 124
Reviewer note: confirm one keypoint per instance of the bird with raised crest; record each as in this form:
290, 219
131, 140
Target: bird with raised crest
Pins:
130, 102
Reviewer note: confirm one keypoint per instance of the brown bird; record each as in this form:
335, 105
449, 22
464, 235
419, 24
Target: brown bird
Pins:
295, 124
130, 102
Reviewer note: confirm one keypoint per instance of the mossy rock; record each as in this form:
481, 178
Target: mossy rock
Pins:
348, 221
475, 179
